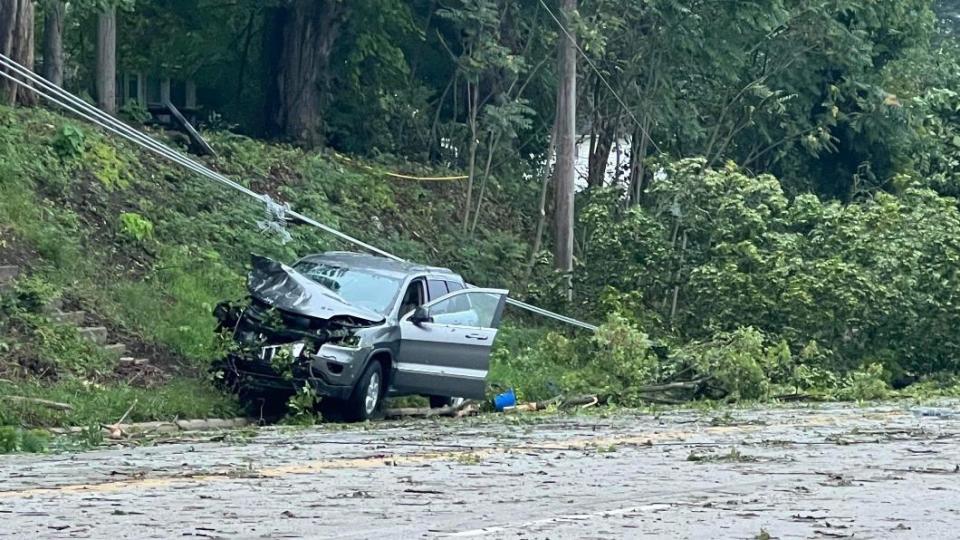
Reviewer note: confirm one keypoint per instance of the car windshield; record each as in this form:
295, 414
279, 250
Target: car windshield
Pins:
358, 287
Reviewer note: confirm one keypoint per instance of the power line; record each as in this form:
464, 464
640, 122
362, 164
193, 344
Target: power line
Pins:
88, 112
600, 75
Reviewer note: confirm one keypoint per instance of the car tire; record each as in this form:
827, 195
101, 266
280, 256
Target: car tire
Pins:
366, 400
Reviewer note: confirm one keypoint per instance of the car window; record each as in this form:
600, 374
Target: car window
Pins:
358, 287
454, 286
475, 309
436, 288
413, 298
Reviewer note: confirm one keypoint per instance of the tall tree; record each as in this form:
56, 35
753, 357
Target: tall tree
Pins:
566, 143
106, 74
16, 42
53, 21
301, 40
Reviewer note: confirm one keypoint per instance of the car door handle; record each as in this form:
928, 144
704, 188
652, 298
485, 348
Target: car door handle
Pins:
478, 337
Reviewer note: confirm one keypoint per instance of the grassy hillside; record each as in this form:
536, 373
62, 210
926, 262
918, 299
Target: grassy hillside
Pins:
146, 250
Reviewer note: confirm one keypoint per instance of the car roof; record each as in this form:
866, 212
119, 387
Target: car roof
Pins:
376, 263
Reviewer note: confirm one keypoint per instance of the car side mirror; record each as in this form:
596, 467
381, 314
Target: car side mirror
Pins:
420, 316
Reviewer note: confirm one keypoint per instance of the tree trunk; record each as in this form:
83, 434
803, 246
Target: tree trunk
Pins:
53, 42
306, 31
600, 153
106, 75
638, 153
16, 42
566, 147
546, 175
473, 100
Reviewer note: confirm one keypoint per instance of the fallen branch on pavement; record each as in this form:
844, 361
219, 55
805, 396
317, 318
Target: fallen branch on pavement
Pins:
456, 411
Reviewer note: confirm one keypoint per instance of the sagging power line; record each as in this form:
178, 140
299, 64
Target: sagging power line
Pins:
84, 110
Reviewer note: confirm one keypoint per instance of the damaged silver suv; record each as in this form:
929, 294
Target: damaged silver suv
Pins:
356, 328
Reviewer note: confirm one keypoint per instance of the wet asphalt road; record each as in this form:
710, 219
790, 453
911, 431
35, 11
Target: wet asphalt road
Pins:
806, 472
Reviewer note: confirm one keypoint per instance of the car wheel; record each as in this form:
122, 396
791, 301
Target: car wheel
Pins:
439, 402
366, 401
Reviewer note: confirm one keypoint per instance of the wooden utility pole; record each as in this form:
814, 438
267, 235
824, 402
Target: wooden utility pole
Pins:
53, 41
106, 75
566, 146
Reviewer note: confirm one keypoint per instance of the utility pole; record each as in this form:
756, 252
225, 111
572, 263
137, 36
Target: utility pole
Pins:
566, 146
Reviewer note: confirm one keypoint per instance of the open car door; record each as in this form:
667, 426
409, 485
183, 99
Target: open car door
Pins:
445, 345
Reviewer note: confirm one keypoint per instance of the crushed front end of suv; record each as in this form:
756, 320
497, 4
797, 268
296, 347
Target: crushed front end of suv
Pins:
354, 329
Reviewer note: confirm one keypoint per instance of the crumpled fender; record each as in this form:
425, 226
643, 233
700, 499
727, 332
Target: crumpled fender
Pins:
282, 287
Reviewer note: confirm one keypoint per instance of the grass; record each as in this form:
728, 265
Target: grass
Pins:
95, 404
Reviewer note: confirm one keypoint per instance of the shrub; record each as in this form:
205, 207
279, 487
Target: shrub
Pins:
136, 227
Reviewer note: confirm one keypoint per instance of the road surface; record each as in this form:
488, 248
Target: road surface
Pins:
798, 472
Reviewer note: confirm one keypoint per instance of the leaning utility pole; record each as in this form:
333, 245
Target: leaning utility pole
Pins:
566, 145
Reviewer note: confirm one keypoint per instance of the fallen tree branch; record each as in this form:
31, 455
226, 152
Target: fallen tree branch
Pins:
679, 385
586, 401
115, 431
468, 406
663, 400
66, 407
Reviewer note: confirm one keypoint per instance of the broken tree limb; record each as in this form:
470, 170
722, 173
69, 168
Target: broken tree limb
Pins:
467, 407
115, 431
662, 400
66, 407
575, 401
679, 385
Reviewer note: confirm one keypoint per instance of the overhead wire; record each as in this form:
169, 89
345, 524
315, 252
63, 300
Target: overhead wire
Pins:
600, 75
88, 112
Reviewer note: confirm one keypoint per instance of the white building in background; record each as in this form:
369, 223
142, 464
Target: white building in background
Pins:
619, 157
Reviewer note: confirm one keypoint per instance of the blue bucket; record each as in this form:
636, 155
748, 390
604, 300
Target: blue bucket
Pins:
504, 400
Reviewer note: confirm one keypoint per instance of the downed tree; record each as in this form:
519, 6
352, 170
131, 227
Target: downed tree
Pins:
65, 407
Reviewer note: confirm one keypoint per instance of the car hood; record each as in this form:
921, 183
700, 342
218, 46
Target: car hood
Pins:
282, 287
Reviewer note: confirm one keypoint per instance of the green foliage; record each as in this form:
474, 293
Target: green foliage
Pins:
106, 165
871, 279
865, 384
136, 227
14, 440
134, 112
35, 293
732, 362
70, 141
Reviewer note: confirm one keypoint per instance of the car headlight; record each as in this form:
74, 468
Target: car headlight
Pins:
349, 342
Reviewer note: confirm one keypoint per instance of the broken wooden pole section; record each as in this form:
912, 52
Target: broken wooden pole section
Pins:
200, 146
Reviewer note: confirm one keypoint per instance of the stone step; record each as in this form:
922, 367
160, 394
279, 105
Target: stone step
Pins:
9, 273
94, 334
75, 318
131, 361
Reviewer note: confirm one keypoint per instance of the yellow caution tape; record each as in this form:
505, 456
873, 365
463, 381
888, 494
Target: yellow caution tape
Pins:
397, 175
